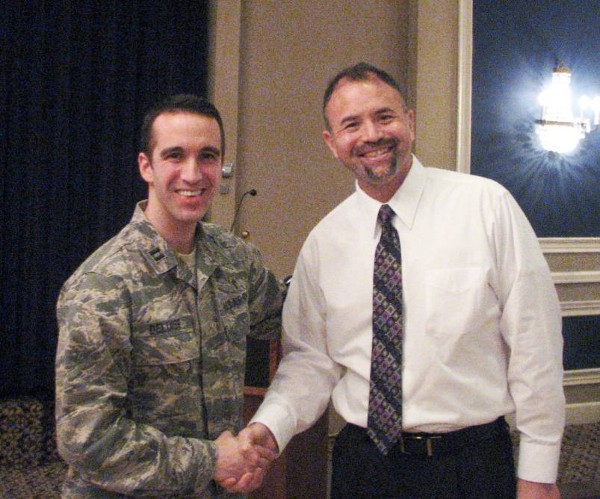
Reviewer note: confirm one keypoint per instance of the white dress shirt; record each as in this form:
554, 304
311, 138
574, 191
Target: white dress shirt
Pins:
482, 323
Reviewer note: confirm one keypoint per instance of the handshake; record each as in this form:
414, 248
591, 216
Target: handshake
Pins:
243, 461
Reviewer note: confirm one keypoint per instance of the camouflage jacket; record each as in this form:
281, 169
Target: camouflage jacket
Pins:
151, 360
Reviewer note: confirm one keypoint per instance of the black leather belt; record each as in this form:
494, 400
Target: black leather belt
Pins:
439, 444
436, 444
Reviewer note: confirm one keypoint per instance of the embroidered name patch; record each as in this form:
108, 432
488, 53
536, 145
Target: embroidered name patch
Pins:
163, 327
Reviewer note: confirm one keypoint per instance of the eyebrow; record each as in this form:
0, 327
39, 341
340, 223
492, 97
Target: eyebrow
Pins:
347, 119
386, 110
353, 117
214, 150
166, 152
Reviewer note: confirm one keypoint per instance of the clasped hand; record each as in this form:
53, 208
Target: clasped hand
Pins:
243, 461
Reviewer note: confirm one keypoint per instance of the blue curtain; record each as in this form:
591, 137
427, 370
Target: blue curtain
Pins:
76, 77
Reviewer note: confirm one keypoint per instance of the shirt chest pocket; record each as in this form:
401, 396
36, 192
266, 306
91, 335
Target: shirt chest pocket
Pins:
455, 301
167, 342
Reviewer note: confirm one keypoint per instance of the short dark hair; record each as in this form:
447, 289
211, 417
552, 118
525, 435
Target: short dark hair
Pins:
178, 103
359, 72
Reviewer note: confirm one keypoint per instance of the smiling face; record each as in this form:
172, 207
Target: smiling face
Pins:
371, 133
183, 173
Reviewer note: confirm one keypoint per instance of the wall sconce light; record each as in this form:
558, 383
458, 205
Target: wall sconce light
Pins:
558, 130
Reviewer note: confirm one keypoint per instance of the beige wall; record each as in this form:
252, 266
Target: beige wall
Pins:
434, 28
289, 50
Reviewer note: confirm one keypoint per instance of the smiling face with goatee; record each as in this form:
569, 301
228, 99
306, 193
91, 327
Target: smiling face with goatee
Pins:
371, 133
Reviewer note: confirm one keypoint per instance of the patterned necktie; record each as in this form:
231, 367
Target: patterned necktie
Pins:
384, 424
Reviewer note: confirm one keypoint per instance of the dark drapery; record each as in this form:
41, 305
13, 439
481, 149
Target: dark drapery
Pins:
76, 77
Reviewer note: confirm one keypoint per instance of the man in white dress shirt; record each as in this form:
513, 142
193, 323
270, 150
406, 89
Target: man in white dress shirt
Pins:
481, 320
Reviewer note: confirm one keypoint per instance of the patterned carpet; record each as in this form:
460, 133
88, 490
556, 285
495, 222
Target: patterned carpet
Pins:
43, 482
579, 470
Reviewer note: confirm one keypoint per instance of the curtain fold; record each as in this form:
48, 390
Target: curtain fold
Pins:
76, 78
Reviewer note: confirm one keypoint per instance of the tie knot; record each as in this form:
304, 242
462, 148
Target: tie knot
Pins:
385, 214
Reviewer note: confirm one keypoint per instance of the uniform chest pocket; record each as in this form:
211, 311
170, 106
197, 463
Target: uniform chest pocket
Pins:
166, 342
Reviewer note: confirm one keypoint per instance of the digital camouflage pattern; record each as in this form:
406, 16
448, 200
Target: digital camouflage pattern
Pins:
151, 360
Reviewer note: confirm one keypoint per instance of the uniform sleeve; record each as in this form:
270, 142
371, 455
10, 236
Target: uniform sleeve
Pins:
266, 295
95, 432
302, 386
531, 325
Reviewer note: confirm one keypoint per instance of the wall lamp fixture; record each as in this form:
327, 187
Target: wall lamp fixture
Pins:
558, 130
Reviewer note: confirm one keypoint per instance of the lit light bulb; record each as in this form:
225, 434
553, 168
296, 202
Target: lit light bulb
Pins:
558, 138
596, 107
557, 130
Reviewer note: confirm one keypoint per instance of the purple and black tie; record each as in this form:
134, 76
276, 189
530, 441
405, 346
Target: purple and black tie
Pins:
385, 396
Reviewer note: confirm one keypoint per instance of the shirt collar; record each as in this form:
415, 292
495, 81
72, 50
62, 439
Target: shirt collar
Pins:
404, 202
157, 252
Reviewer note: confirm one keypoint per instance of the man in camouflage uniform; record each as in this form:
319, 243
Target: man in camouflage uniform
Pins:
151, 355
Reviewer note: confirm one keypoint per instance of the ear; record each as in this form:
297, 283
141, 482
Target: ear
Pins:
330, 141
410, 114
145, 167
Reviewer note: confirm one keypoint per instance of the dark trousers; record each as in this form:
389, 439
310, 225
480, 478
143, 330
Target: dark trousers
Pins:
483, 469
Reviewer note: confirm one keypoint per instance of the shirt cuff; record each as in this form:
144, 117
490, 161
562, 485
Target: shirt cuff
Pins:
278, 420
538, 462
